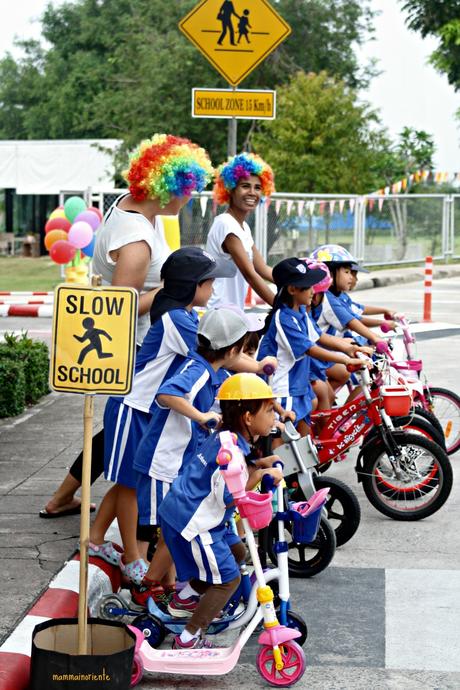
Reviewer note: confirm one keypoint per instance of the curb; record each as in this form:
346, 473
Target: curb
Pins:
27, 293
59, 600
409, 275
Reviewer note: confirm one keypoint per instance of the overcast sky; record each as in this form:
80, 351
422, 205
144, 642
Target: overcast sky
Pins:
409, 92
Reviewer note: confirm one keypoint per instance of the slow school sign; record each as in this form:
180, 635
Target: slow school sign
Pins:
93, 340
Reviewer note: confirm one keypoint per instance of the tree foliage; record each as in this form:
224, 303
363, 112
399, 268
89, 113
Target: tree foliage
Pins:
439, 18
323, 140
121, 68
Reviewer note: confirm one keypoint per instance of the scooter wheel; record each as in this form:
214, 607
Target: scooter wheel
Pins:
152, 628
294, 661
295, 622
138, 670
108, 604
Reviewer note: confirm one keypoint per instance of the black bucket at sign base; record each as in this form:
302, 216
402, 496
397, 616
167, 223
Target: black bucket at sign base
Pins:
56, 664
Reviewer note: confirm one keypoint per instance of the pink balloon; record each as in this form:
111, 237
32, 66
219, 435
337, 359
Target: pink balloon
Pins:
62, 252
95, 210
80, 234
89, 217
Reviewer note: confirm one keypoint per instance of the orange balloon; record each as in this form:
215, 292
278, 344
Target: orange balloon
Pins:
53, 236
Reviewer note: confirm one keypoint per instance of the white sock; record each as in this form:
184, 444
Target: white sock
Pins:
186, 636
187, 592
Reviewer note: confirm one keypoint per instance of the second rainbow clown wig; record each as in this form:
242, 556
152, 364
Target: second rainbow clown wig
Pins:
240, 167
166, 166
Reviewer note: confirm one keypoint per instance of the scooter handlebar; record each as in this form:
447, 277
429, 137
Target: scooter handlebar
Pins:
268, 369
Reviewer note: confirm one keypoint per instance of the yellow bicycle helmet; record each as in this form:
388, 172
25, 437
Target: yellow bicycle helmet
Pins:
245, 387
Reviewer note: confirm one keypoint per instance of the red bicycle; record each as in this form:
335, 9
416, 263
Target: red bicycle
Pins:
405, 476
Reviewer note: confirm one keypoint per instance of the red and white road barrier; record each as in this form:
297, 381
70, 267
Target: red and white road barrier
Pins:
60, 600
428, 287
26, 310
5, 293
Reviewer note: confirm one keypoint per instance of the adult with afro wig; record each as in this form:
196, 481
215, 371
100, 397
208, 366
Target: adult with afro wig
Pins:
131, 249
240, 182
130, 246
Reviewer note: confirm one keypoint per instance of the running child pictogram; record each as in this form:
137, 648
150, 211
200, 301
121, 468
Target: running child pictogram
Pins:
94, 336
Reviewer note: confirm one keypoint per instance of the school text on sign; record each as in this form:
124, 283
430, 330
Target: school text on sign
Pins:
93, 339
226, 103
234, 35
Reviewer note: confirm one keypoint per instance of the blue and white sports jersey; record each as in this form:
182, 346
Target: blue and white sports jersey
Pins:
333, 315
163, 351
171, 438
199, 502
290, 335
356, 308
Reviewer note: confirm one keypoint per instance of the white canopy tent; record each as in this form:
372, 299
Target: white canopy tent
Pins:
49, 166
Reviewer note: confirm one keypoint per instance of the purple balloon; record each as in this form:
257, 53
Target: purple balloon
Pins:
80, 234
89, 217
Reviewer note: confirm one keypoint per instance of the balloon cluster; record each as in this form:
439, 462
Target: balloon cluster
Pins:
70, 231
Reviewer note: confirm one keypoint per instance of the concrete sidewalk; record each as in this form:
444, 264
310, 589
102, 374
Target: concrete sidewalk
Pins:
396, 276
36, 450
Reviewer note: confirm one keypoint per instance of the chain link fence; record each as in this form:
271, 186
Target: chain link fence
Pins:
379, 231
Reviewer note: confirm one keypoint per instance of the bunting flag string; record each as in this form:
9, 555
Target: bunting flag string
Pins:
204, 205
436, 177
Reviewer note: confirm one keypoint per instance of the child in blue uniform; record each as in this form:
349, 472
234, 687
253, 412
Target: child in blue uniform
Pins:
198, 505
331, 311
178, 427
188, 275
291, 337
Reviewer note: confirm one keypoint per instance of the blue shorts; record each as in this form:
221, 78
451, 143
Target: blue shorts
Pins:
150, 493
213, 563
300, 404
123, 429
318, 369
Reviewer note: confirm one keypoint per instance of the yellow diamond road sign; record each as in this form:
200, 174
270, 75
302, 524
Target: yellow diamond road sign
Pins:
235, 35
93, 339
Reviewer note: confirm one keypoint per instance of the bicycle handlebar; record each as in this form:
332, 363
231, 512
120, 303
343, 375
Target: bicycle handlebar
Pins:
211, 424
268, 369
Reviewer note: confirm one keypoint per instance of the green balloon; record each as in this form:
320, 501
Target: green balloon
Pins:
73, 206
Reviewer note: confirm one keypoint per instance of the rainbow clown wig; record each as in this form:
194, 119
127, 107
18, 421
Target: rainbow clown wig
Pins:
240, 167
166, 166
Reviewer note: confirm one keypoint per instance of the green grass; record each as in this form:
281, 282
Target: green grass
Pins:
20, 274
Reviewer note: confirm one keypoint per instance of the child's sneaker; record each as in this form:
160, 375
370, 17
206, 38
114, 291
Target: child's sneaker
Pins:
195, 643
140, 593
183, 608
135, 570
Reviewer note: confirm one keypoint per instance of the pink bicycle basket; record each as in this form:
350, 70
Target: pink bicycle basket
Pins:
257, 508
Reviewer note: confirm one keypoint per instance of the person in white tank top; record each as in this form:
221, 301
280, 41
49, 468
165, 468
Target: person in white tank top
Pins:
130, 246
131, 249
240, 183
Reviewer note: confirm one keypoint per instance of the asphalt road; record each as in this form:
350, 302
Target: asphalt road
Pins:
386, 612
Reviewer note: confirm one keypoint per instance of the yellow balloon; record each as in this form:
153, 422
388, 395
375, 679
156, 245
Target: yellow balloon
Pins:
57, 213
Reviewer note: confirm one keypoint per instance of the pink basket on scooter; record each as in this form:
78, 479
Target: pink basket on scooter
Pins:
257, 508
306, 517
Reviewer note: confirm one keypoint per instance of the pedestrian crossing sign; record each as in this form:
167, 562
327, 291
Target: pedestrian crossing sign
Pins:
93, 339
234, 35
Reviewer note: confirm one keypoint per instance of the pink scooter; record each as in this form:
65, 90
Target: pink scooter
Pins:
280, 661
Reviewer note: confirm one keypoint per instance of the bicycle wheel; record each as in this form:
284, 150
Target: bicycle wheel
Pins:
418, 488
415, 423
343, 509
304, 560
446, 406
429, 417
